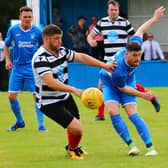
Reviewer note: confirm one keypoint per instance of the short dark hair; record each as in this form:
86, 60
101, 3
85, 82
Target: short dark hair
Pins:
113, 2
82, 17
51, 29
133, 46
25, 9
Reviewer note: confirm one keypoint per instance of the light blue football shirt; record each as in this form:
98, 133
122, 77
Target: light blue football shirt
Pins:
24, 43
124, 74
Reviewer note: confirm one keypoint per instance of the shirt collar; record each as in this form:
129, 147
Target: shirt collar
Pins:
119, 17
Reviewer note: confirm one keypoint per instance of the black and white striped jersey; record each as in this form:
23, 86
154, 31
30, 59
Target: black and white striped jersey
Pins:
115, 34
44, 62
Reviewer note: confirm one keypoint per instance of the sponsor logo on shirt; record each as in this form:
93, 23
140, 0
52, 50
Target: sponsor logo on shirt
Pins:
32, 36
18, 34
24, 44
112, 36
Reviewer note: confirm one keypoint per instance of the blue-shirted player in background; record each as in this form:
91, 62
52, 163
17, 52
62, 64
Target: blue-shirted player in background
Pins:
120, 88
25, 38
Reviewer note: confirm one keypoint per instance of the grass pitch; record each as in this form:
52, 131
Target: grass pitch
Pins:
29, 148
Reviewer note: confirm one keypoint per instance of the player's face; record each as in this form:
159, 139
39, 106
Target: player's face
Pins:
82, 22
55, 42
150, 36
94, 20
26, 18
113, 11
133, 58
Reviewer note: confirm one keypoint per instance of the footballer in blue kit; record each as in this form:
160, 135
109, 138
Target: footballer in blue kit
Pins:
24, 38
24, 42
122, 76
119, 88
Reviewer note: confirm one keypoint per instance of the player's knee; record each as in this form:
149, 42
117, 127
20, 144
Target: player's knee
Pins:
78, 132
12, 97
112, 108
75, 127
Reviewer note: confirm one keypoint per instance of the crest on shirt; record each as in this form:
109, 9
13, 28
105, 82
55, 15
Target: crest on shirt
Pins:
17, 34
62, 52
32, 36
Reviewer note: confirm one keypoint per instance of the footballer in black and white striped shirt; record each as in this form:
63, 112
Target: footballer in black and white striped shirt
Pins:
53, 94
115, 30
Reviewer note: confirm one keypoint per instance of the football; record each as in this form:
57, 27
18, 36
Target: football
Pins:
92, 98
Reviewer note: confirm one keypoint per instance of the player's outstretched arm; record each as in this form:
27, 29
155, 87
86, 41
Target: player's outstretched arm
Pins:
158, 14
131, 91
88, 60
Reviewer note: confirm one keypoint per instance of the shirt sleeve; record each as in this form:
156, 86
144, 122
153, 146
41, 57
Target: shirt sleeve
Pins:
130, 29
41, 65
8, 39
69, 54
97, 28
159, 50
136, 39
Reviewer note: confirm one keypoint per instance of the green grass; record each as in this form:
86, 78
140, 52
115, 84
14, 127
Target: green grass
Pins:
29, 148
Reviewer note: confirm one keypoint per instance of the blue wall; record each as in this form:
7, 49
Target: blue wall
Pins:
153, 73
83, 76
149, 73
70, 10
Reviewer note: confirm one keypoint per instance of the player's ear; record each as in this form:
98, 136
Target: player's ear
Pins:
126, 53
46, 38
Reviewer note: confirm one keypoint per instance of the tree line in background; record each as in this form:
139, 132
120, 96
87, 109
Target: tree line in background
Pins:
9, 9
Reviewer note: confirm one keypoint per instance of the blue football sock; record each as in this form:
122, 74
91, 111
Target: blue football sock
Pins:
121, 128
141, 128
40, 116
15, 106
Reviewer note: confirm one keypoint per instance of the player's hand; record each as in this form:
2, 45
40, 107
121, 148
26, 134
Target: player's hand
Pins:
78, 92
148, 95
110, 66
93, 43
159, 13
8, 65
164, 60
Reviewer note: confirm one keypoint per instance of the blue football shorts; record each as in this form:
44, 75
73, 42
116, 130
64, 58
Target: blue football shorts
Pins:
112, 93
21, 79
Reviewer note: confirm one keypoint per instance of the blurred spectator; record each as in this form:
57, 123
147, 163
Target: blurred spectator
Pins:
2, 62
151, 49
79, 34
56, 18
97, 51
144, 39
145, 36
